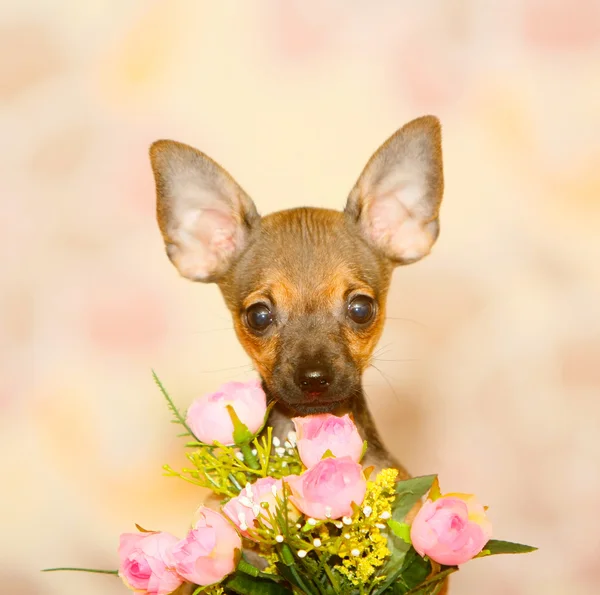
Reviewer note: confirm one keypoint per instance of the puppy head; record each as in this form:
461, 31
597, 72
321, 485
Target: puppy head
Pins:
306, 287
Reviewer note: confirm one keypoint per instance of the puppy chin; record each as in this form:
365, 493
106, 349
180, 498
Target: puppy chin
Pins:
300, 404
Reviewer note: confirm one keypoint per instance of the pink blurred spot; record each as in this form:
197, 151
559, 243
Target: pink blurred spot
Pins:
302, 32
556, 24
128, 318
140, 191
427, 74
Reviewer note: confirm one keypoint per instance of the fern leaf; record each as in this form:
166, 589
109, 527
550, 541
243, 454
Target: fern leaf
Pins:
179, 419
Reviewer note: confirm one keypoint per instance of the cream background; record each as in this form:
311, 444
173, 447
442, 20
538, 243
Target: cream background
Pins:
497, 332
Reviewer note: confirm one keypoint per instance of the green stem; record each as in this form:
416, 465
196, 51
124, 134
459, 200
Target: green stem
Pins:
248, 568
115, 572
299, 582
180, 419
249, 457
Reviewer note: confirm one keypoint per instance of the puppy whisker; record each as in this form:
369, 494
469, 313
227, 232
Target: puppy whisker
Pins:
212, 330
248, 367
402, 360
415, 322
387, 381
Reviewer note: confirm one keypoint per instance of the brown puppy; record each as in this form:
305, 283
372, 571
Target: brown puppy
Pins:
306, 287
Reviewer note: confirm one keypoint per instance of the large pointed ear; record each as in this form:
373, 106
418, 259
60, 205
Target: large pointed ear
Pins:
204, 216
397, 197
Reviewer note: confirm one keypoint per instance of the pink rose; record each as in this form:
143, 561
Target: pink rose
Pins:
146, 564
328, 489
451, 530
245, 508
319, 433
210, 551
209, 419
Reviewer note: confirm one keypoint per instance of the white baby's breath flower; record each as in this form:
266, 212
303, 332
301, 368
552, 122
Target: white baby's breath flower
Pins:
242, 520
279, 538
347, 520
385, 515
301, 553
245, 501
276, 441
317, 542
367, 511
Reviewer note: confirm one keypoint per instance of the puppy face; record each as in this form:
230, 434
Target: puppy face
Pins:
306, 287
308, 302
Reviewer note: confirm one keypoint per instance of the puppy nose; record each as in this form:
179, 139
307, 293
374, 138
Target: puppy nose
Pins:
313, 378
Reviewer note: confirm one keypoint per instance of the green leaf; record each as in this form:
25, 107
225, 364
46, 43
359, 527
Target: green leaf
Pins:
433, 584
179, 419
394, 564
94, 570
292, 576
401, 530
415, 569
142, 530
244, 584
494, 547
409, 492
328, 455
364, 451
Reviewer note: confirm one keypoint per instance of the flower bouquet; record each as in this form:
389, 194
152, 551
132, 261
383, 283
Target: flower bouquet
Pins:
300, 514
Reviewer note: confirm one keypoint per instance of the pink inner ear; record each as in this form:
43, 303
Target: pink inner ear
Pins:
205, 243
384, 215
217, 231
398, 233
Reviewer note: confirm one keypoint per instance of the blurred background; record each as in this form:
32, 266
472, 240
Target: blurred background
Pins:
489, 369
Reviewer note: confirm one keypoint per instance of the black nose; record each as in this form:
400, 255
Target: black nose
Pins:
313, 378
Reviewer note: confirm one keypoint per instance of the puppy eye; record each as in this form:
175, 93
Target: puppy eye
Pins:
259, 317
361, 309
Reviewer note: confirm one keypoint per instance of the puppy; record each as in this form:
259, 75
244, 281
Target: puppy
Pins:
306, 287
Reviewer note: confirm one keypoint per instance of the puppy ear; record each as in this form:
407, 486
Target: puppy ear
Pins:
397, 197
204, 216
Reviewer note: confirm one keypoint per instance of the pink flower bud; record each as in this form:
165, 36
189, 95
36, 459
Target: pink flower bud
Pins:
209, 419
248, 506
210, 551
145, 563
451, 530
319, 433
328, 489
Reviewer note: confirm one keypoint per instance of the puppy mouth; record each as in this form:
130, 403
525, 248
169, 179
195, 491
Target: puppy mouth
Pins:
315, 406
309, 403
